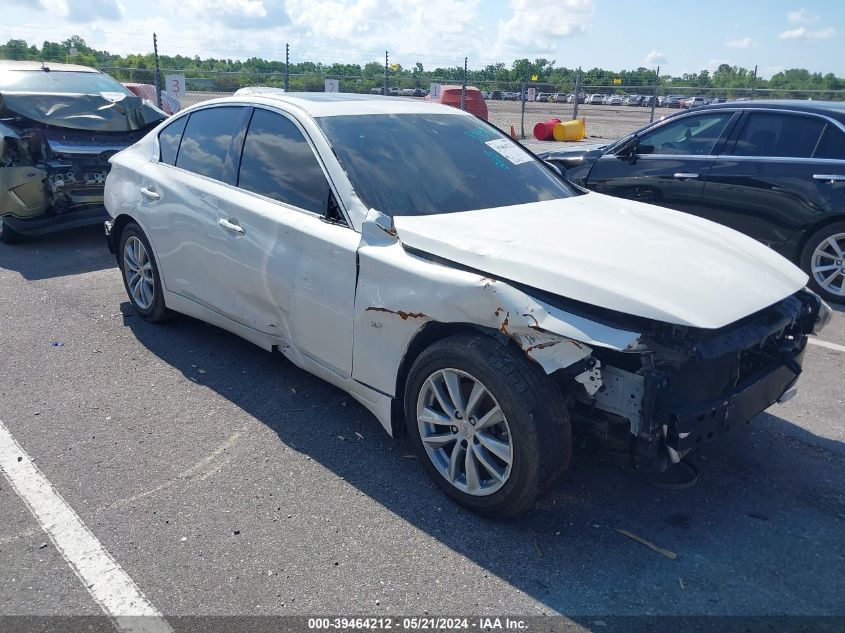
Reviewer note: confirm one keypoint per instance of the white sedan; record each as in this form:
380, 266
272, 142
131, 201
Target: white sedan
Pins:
455, 285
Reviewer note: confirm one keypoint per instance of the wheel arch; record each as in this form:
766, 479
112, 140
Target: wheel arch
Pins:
807, 233
119, 224
427, 335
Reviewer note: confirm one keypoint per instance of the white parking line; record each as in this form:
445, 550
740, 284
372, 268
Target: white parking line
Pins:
834, 346
112, 588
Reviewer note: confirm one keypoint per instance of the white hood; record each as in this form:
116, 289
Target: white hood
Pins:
617, 254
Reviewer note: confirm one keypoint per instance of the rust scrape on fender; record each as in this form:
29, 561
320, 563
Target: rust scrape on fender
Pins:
401, 314
531, 348
503, 328
420, 290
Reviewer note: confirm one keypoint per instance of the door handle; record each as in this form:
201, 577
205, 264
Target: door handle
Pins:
829, 177
231, 226
149, 193
683, 175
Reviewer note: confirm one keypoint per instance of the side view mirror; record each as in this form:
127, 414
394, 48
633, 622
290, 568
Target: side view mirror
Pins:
628, 149
553, 167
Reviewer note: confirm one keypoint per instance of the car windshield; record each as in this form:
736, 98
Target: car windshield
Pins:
424, 164
59, 81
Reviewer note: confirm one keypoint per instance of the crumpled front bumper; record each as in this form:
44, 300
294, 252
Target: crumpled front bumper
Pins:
696, 424
759, 363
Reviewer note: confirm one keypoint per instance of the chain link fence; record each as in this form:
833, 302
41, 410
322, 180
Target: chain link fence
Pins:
609, 110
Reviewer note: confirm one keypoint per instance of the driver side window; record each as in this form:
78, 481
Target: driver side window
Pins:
692, 135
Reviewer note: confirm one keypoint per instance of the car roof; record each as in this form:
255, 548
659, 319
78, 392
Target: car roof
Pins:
833, 109
324, 104
11, 64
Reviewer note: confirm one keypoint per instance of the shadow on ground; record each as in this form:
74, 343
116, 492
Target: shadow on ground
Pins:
761, 533
70, 252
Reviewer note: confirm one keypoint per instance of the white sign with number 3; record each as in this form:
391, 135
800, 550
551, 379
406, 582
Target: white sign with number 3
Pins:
174, 85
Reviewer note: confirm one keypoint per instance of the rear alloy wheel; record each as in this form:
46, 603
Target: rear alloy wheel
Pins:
8, 235
824, 261
489, 426
140, 274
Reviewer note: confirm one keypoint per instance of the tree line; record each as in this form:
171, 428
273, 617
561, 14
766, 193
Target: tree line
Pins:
226, 74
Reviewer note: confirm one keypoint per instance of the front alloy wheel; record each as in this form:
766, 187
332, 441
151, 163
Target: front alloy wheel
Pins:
489, 426
464, 432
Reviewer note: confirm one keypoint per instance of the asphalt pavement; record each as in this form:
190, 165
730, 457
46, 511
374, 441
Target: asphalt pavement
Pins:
225, 481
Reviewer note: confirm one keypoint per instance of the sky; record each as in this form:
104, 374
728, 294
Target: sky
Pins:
678, 36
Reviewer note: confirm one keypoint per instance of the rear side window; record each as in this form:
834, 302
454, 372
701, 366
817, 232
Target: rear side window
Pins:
206, 141
832, 144
278, 162
168, 140
770, 134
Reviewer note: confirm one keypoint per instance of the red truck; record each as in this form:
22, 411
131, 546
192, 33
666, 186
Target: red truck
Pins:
451, 96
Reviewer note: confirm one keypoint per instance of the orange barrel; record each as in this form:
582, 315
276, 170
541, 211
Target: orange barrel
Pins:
543, 131
569, 131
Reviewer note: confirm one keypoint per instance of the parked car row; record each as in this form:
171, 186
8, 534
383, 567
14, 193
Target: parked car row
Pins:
669, 101
680, 101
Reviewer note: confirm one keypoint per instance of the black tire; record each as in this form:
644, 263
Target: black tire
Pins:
8, 235
537, 418
807, 264
157, 311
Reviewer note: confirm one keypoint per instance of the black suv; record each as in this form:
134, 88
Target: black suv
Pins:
774, 170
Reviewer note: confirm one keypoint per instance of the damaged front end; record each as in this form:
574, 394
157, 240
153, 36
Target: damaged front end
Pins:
681, 387
54, 175
654, 389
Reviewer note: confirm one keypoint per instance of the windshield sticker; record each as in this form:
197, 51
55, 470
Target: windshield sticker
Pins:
509, 150
497, 160
479, 134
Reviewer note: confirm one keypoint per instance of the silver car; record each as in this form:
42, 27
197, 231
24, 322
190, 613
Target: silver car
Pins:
452, 284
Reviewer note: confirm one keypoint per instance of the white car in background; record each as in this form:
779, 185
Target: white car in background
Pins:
258, 90
456, 285
692, 102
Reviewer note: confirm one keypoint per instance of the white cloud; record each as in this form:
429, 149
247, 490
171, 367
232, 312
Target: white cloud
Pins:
441, 31
713, 64
654, 58
237, 14
802, 33
536, 26
801, 16
91, 10
742, 42
77, 10
228, 8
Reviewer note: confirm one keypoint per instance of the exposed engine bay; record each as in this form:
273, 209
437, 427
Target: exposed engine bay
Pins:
59, 125
682, 387
46, 170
